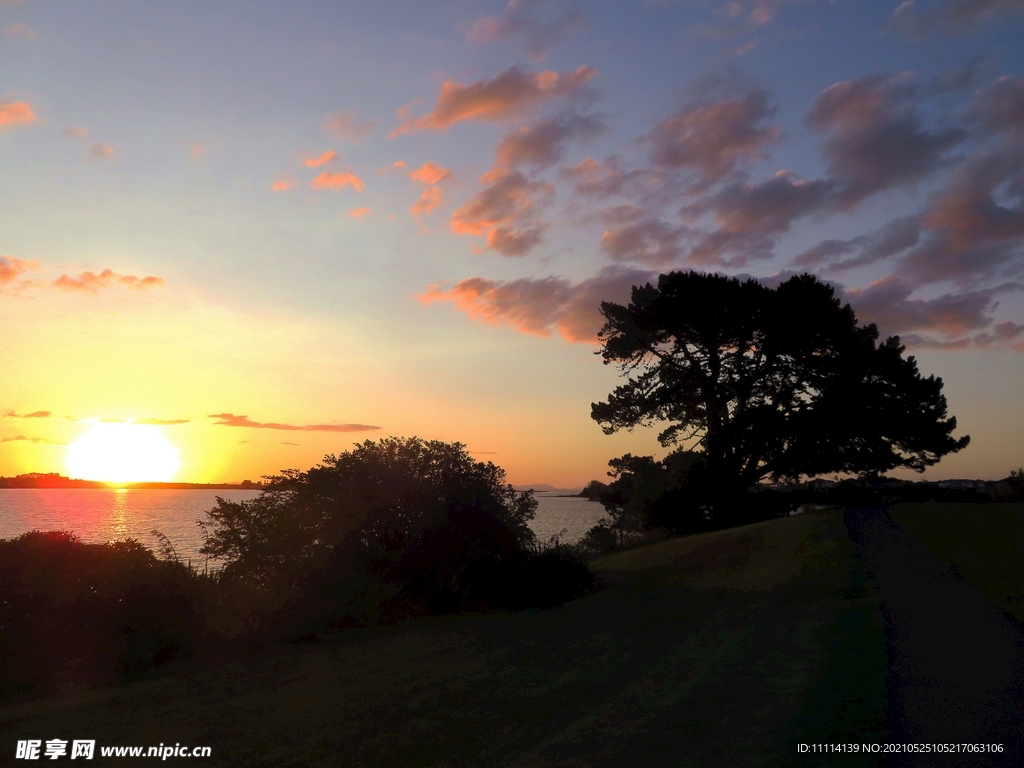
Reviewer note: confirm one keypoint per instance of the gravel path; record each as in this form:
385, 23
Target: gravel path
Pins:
956, 662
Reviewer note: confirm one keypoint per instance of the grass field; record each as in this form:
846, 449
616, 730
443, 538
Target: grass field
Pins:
984, 543
722, 649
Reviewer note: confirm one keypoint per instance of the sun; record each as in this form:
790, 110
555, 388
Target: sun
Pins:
122, 453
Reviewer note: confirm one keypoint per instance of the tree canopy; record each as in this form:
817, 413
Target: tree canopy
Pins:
769, 382
408, 525
381, 498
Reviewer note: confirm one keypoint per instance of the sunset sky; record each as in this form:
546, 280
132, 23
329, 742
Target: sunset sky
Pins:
271, 229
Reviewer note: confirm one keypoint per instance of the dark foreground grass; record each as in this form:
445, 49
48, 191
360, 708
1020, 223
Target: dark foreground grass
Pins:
721, 649
984, 544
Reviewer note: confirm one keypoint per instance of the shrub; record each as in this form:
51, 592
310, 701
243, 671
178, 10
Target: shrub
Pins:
392, 528
545, 577
74, 613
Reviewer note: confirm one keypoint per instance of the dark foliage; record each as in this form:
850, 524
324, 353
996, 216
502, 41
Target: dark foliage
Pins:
393, 528
777, 383
593, 490
873, 492
74, 613
1016, 483
542, 578
677, 495
643, 493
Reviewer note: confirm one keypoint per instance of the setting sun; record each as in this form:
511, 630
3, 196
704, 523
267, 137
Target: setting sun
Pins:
123, 453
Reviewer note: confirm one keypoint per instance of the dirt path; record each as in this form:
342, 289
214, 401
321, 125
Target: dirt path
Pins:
956, 662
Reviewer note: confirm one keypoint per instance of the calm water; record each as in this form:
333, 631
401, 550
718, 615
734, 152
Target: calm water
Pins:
106, 515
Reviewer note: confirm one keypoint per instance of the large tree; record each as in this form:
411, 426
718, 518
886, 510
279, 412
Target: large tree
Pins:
766, 382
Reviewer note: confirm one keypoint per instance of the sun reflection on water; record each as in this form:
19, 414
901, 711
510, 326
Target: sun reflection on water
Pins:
119, 515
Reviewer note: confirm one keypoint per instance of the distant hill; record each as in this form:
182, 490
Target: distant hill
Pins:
545, 488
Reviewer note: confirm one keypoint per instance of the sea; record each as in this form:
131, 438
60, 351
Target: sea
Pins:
102, 515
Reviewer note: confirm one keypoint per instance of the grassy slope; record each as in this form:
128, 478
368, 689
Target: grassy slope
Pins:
721, 649
984, 543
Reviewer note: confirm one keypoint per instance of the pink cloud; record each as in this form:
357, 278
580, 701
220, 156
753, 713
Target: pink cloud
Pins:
197, 149
542, 306
894, 237
543, 143
713, 138
19, 30
337, 181
980, 206
764, 11
343, 126
283, 185
517, 20
101, 152
395, 166
602, 181
876, 139
90, 282
508, 95
1000, 106
506, 213
231, 420
323, 159
360, 213
1002, 333
431, 198
747, 217
736, 17
964, 319
769, 207
957, 16
975, 230
430, 173
14, 114
12, 268
636, 236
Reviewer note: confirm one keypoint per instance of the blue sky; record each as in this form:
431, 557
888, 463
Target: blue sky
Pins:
262, 163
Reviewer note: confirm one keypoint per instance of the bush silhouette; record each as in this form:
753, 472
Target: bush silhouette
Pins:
396, 527
74, 613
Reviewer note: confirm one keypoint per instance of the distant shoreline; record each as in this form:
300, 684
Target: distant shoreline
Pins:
545, 488
59, 482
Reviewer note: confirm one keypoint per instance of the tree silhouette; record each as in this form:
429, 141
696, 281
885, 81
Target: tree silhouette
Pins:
768, 382
418, 523
381, 498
